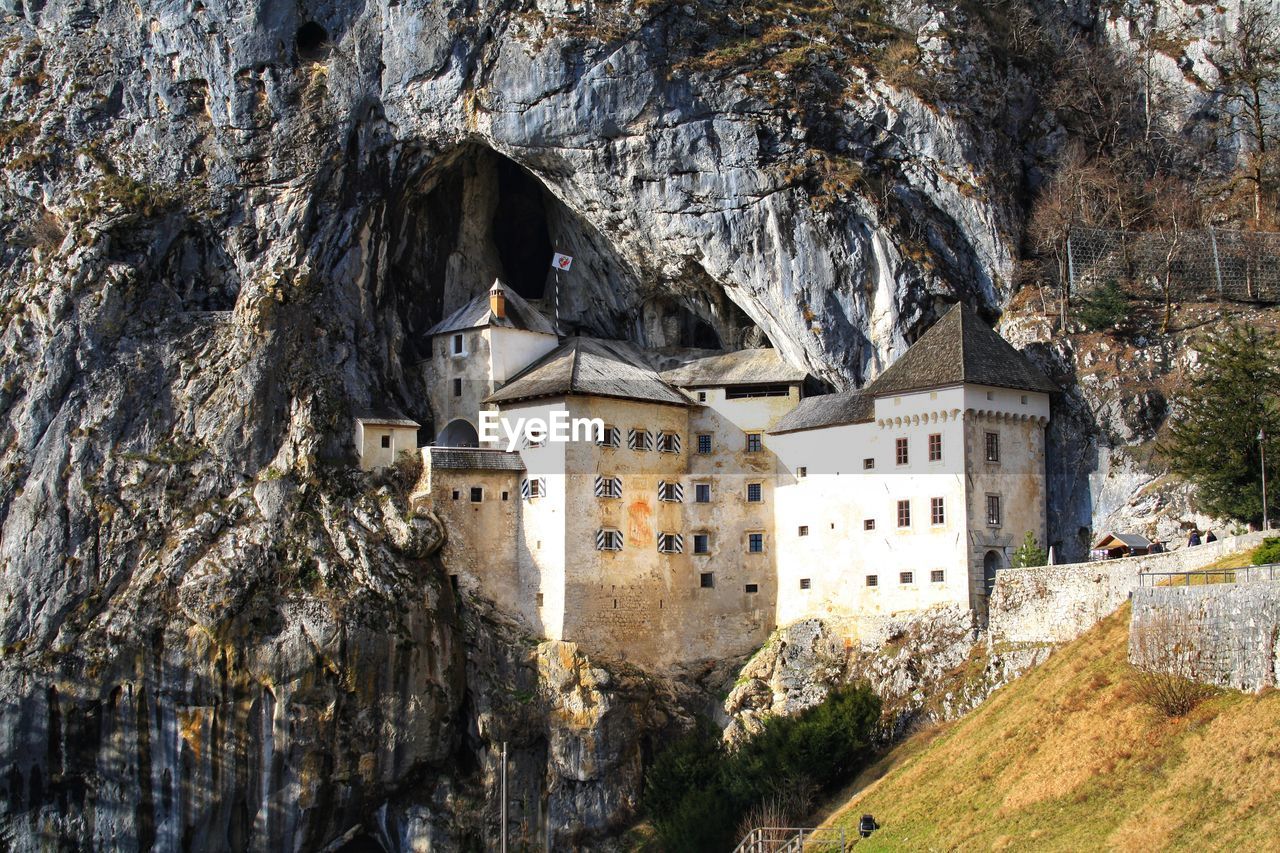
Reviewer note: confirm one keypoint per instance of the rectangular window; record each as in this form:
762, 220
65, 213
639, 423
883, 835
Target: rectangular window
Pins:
937, 576
640, 439
873, 580
868, 463
993, 447
702, 493
806, 583
539, 599
901, 452
755, 493
937, 511
535, 488
702, 543
707, 580
670, 492
754, 440
704, 443
752, 588
608, 539
457, 345
755, 543
457, 387
506, 495
477, 494
935, 447
868, 524
668, 442
802, 472
993, 510
702, 396
670, 543
804, 530
610, 437
906, 577
386, 441
456, 494
904, 513
1024, 399
608, 487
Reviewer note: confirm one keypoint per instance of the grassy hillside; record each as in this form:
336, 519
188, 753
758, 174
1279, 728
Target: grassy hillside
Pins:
1067, 758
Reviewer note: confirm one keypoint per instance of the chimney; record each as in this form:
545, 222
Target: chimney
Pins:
498, 301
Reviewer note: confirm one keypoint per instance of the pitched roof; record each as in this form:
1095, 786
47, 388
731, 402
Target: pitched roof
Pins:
1132, 540
474, 459
383, 416
589, 366
824, 410
476, 313
959, 348
743, 367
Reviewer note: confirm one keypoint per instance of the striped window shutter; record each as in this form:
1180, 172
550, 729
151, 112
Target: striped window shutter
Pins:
662, 537
542, 487
602, 540
662, 490
600, 487
633, 439
525, 489
648, 440
679, 543
674, 440
677, 491
617, 487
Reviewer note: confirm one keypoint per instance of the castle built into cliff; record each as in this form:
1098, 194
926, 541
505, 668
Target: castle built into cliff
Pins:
718, 501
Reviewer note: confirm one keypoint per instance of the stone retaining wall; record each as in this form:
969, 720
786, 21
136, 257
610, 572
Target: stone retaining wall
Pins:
1226, 634
1059, 603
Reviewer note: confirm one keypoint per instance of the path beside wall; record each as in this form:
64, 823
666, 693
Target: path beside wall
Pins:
1226, 634
1056, 604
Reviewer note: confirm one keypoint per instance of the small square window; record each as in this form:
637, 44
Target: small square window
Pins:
707, 580
755, 493
477, 494
702, 396
506, 495
752, 587
610, 437
755, 543
868, 464
937, 511
935, 447
702, 493
754, 442
539, 599
802, 472
704, 443
1024, 399
873, 580
993, 447
901, 451
456, 494
805, 583
991, 395
904, 513
868, 524
457, 387
386, 441
905, 577
937, 576
701, 543
804, 530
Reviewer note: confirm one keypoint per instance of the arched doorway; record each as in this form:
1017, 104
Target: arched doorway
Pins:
458, 433
991, 563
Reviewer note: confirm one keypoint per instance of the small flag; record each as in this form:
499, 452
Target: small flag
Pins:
561, 262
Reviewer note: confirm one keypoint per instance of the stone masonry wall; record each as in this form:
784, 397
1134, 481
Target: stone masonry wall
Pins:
1056, 604
1224, 634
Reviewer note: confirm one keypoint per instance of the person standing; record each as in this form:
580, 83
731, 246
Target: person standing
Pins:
1193, 539
1209, 537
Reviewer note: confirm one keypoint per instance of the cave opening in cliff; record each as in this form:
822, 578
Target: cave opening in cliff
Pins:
520, 231
312, 42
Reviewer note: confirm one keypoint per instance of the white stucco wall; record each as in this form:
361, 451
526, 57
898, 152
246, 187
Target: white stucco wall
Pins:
369, 435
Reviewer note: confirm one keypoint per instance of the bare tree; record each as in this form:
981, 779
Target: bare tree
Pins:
1248, 64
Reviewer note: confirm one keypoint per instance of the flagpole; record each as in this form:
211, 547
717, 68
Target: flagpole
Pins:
1262, 445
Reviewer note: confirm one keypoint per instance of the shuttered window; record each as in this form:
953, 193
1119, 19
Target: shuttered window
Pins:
610, 437
670, 492
640, 439
670, 543
608, 487
535, 488
668, 442
608, 540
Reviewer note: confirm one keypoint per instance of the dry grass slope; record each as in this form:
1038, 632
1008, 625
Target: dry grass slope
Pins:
1067, 758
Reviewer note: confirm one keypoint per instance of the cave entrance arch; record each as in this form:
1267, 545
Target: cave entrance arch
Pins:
458, 433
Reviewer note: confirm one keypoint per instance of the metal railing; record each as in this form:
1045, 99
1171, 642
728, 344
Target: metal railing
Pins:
1244, 574
779, 839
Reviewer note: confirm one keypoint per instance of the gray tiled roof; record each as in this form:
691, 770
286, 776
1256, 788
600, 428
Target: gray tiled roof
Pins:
959, 348
593, 367
1132, 540
384, 416
744, 367
473, 459
476, 313
847, 407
